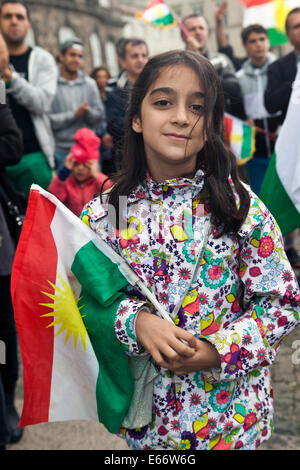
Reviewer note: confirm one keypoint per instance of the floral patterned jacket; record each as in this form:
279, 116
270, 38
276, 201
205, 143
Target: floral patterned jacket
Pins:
245, 300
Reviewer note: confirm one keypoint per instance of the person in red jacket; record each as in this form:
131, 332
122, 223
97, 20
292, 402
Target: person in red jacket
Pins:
80, 179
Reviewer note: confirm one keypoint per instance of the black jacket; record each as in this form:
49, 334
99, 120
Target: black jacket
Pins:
281, 75
10, 139
11, 150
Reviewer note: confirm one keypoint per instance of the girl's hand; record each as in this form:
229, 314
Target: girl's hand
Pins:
163, 340
205, 357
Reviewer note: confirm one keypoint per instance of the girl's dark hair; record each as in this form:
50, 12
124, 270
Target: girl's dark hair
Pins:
215, 159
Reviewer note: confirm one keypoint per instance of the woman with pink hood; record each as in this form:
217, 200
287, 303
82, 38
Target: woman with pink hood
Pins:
80, 178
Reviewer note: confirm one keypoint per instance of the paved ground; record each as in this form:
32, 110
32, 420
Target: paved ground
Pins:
79, 435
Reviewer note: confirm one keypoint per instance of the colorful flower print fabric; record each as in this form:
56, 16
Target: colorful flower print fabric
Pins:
245, 300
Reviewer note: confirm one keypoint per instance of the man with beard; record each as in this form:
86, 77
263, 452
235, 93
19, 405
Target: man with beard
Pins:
30, 75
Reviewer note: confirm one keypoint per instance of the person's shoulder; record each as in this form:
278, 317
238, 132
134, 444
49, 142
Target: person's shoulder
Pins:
283, 61
89, 80
243, 70
95, 210
258, 216
220, 57
43, 54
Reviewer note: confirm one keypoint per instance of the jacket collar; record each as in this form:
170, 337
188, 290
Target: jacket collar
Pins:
154, 191
78, 81
251, 70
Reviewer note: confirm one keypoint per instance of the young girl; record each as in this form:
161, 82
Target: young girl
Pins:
211, 253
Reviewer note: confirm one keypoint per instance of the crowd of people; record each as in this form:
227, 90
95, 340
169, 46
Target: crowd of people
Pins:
64, 130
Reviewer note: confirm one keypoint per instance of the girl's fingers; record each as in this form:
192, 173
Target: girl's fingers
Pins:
160, 360
189, 338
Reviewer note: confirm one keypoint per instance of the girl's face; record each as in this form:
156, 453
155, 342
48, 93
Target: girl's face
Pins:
101, 79
172, 123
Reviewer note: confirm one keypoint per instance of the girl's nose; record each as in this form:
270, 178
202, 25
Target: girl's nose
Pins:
180, 115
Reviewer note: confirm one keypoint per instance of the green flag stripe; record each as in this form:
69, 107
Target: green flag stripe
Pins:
277, 201
164, 21
247, 147
276, 37
101, 294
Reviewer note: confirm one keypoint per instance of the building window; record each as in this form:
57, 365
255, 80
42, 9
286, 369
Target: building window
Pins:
30, 38
105, 3
96, 50
111, 58
65, 33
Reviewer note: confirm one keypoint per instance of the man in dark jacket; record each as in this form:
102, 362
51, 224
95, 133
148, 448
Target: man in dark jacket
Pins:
133, 55
281, 75
282, 72
10, 154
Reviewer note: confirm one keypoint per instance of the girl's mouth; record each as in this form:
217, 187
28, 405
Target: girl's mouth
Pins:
178, 137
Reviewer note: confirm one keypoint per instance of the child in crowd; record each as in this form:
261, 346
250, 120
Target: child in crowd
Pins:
213, 255
80, 179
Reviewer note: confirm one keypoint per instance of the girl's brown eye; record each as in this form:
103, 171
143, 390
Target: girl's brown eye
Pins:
197, 108
162, 103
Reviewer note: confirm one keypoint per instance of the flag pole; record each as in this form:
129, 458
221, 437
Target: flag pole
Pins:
180, 23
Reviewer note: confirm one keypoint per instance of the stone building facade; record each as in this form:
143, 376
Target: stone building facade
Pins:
160, 41
100, 23
97, 22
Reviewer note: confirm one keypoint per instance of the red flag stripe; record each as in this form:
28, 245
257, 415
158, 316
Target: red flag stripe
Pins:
254, 3
228, 123
36, 340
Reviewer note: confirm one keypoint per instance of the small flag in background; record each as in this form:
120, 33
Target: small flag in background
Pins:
271, 14
157, 14
240, 138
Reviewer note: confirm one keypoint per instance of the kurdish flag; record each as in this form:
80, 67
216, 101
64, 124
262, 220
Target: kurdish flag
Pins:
271, 14
157, 14
281, 186
240, 138
65, 295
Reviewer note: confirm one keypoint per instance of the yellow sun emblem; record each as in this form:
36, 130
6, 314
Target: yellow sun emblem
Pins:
66, 312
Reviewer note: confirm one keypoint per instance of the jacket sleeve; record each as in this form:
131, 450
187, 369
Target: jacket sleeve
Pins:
271, 302
94, 216
11, 146
126, 317
37, 97
61, 120
278, 91
96, 112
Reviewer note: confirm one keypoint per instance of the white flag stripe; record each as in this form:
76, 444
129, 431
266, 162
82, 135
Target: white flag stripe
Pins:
156, 12
75, 370
264, 14
267, 14
288, 147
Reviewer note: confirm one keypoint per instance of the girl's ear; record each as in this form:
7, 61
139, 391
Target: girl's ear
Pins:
137, 125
